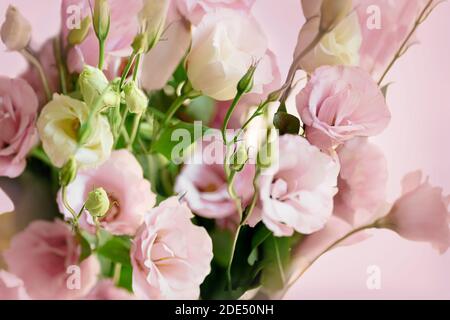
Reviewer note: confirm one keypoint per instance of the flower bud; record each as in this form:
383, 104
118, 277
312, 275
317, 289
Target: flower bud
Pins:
93, 83
140, 43
68, 172
97, 203
245, 85
101, 19
16, 30
153, 16
239, 159
332, 12
135, 98
286, 123
77, 36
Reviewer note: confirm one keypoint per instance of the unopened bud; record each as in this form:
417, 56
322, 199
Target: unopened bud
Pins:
97, 203
135, 98
239, 159
68, 172
153, 16
275, 95
140, 43
77, 35
332, 12
16, 30
93, 83
245, 85
286, 123
101, 19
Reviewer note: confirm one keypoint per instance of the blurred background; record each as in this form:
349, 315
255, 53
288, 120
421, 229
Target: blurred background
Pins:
417, 138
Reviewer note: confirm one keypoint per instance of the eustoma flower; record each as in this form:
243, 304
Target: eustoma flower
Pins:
170, 255
224, 45
58, 125
340, 103
18, 134
296, 192
130, 195
49, 249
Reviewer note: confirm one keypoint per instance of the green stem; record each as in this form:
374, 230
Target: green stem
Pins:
101, 53
67, 205
259, 111
233, 249
121, 126
136, 67
228, 116
173, 109
35, 62
136, 122
127, 70
59, 61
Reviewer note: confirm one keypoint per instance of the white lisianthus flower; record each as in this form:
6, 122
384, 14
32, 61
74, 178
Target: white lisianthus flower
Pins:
224, 45
340, 46
58, 126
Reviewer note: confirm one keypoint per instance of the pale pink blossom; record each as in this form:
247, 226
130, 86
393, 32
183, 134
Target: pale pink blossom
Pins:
194, 10
42, 256
6, 205
11, 287
296, 193
124, 27
170, 255
18, 133
129, 193
204, 185
106, 290
421, 213
362, 179
340, 103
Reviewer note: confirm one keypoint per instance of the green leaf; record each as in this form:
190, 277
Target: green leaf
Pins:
176, 139
126, 275
276, 253
222, 243
85, 246
286, 123
262, 233
117, 249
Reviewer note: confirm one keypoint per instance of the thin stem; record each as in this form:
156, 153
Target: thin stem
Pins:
59, 61
259, 111
136, 122
35, 62
136, 67
101, 53
127, 70
121, 126
67, 205
233, 249
173, 109
228, 115
405, 42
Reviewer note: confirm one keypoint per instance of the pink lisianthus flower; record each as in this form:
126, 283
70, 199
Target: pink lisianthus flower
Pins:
340, 103
296, 193
204, 183
170, 255
129, 193
42, 256
194, 10
18, 133
124, 27
106, 290
11, 287
6, 205
421, 213
362, 180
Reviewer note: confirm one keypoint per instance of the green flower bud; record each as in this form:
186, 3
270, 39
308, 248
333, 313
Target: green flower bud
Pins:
140, 43
239, 159
77, 36
286, 123
97, 203
68, 172
93, 83
101, 19
135, 98
245, 85
153, 17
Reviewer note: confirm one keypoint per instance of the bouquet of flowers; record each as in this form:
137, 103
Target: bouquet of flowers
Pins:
181, 166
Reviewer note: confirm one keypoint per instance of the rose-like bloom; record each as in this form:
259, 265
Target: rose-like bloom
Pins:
130, 195
11, 287
58, 126
296, 192
340, 103
224, 45
170, 255
384, 26
42, 256
6, 205
18, 134
196, 9
340, 46
362, 179
421, 213
106, 290
16, 30
205, 185
124, 27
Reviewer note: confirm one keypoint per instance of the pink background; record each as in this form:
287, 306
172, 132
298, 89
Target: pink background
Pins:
416, 139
